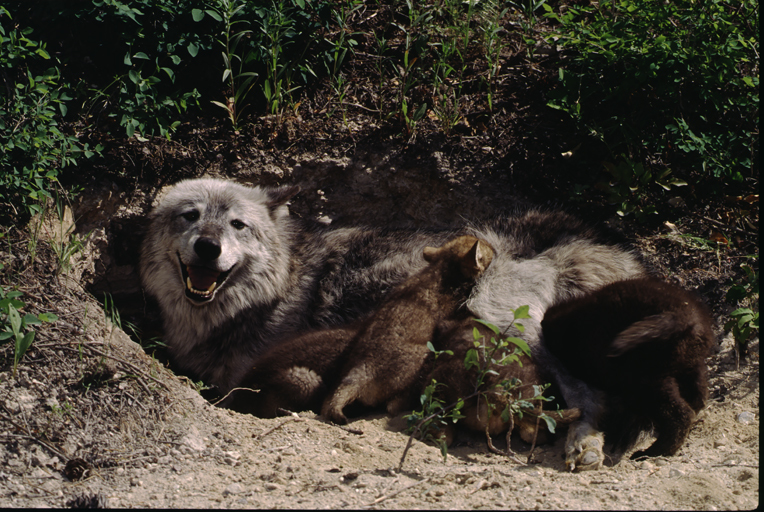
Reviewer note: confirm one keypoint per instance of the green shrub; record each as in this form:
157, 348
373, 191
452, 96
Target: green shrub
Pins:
678, 79
156, 37
33, 145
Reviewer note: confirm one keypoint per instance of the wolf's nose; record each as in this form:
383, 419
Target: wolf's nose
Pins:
208, 249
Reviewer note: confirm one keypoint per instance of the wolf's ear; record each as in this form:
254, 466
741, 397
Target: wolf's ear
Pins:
280, 195
429, 253
478, 258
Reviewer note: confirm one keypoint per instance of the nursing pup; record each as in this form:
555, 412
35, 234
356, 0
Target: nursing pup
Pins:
644, 344
486, 412
234, 274
390, 350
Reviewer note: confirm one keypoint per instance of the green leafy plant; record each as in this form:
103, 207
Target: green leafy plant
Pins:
744, 321
17, 328
628, 184
481, 359
156, 39
493, 44
238, 81
280, 34
408, 79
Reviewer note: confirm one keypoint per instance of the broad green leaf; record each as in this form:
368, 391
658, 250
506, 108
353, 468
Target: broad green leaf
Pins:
214, 15
550, 423
471, 359
15, 319
47, 317
23, 344
30, 319
521, 344
489, 325
522, 312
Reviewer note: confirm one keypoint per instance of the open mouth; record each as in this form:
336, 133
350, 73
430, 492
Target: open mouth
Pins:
201, 282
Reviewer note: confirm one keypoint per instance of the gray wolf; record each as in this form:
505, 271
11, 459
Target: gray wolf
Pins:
377, 360
234, 273
487, 414
644, 343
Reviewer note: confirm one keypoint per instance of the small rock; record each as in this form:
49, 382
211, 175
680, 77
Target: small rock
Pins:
193, 440
745, 417
234, 489
722, 441
270, 486
39, 473
674, 473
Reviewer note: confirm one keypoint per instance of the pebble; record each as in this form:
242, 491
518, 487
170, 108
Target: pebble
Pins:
745, 417
234, 489
674, 473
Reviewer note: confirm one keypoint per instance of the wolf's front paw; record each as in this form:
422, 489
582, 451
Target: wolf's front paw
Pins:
583, 449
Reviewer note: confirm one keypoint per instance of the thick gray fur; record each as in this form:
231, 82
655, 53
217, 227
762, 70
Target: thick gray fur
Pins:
286, 277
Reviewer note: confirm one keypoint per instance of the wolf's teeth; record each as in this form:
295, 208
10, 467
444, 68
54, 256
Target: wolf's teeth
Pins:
203, 293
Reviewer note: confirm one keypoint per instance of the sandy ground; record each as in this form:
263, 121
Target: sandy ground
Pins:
147, 439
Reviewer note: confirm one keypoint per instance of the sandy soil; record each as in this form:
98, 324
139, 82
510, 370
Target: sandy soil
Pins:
86, 396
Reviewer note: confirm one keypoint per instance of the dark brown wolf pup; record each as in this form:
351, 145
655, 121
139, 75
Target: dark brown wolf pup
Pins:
644, 343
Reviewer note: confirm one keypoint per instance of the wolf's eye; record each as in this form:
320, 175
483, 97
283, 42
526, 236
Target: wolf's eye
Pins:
238, 224
191, 216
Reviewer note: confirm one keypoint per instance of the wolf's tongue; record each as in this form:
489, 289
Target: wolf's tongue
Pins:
201, 278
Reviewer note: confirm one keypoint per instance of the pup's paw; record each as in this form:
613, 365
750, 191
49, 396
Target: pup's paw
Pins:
583, 449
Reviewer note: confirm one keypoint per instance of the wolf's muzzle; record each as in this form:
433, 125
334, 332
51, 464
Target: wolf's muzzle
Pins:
200, 282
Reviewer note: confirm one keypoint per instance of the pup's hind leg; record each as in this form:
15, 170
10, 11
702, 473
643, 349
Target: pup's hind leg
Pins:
672, 418
358, 384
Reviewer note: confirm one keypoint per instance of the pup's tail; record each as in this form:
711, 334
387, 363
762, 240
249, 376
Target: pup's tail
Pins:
564, 416
660, 327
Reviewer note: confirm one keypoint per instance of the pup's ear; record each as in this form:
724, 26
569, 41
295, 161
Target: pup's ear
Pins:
280, 195
429, 253
478, 258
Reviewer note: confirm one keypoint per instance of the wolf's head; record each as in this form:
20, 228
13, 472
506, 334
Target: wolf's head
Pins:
206, 233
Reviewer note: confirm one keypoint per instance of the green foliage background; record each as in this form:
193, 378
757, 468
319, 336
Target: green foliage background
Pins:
670, 89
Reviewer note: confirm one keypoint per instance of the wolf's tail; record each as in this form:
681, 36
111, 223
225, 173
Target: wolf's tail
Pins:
660, 327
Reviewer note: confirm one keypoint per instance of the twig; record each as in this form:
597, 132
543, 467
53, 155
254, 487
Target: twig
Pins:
351, 430
235, 389
387, 497
509, 453
535, 435
293, 419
